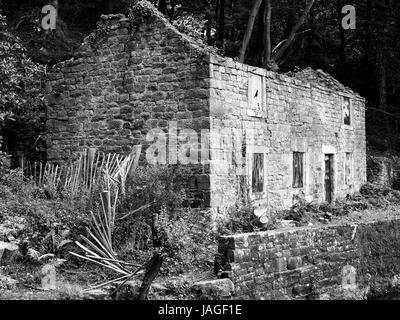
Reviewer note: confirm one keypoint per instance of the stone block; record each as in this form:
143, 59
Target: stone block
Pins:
115, 124
215, 289
294, 263
7, 283
280, 264
8, 251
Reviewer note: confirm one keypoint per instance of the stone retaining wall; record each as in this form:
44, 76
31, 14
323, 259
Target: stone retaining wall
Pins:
304, 262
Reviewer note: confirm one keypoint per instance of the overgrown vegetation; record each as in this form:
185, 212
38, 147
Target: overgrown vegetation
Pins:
168, 226
243, 216
151, 218
369, 197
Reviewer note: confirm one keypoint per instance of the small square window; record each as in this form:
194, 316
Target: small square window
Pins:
346, 111
297, 170
257, 178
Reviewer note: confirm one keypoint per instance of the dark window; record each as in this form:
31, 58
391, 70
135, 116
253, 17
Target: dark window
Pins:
346, 111
347, 168
258, 173
297, 170
329, 186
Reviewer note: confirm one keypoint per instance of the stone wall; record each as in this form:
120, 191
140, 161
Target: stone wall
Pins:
310, 262
384, 171
296, 115
131, 75
136, 74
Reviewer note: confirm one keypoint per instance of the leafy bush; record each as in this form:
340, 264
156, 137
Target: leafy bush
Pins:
241, 219
186, 239
47, 219
20, 78
160, 187
183, 235
4, 162
22, 110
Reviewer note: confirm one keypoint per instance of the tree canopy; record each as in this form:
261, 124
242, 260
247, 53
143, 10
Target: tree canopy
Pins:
281, 35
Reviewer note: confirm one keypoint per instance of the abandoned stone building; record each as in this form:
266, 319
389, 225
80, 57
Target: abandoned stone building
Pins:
289, 135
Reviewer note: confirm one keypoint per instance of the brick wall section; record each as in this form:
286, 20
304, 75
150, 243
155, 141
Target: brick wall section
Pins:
292, 264
298, 116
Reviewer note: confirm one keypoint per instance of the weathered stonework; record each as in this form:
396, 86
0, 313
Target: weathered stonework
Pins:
300, 114
301, 262
136, 74
384, 171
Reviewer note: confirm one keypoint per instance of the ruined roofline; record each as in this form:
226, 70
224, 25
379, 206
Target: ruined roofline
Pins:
303, 78
144, 9
141, 10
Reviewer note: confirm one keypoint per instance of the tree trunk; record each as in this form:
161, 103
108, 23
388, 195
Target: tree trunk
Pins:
249, 30
55, 4
382, 83
293, 32
368, 34
309, 52
342, 47
151, 273
162, 6
208, 24
172, 12
383, 17
267, 31
258, 48
220, 23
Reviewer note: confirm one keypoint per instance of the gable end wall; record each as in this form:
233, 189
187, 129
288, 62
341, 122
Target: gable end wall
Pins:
129, 77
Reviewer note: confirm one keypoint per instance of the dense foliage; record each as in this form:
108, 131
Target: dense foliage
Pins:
169, 226
366, 58
19, 76
21, 96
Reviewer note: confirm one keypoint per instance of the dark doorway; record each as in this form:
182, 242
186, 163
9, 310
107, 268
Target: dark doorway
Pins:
328, 177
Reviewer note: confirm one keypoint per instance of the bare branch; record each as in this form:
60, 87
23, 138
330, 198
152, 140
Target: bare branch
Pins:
283, 41
293, 32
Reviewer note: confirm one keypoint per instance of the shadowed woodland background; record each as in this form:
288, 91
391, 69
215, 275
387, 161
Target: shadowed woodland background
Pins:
366, 59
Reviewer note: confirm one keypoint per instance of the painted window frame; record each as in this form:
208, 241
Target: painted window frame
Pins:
250, 92
348, 180
255, 188
298, 184
251, 150
350, 124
